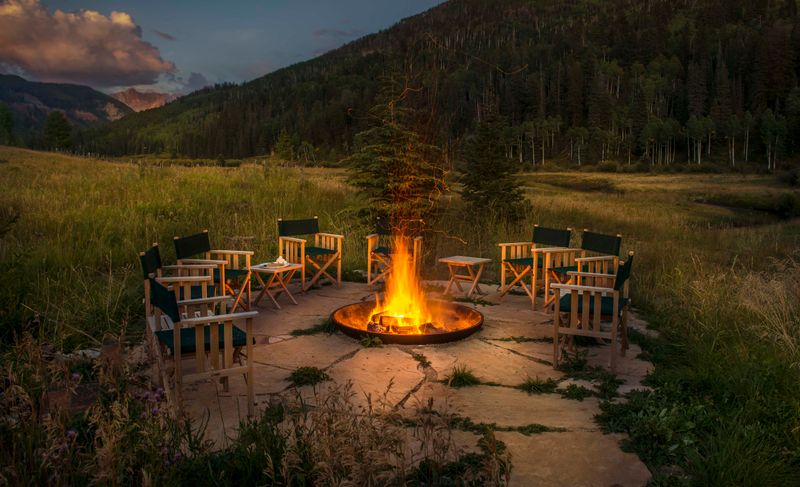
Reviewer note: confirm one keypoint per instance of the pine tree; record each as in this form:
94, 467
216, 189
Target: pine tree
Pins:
399, 172
57, 131
490, 183
284, 148
6, 125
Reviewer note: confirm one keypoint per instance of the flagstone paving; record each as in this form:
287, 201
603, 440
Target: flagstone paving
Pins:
512, 347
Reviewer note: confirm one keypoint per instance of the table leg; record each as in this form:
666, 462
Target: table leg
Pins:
282, 282
476, 277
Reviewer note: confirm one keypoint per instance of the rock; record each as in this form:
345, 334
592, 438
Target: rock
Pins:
575, 458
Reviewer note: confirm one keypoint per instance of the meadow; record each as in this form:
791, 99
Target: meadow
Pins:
717, 274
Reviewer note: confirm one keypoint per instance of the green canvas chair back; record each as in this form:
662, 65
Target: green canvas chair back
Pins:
551, 237
601, 243
186, 247
623, 273
164, 299
151, 261
292, 228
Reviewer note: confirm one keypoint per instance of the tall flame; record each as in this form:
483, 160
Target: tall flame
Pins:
404, 302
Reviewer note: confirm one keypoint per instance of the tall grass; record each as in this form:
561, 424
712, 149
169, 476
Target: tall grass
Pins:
719, 283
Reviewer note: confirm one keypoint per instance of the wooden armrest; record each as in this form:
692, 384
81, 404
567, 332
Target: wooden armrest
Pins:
595, 259
205, 261
211, 299
186, 279
574, 287
332, 235
516, 244
177, 267
202, 320
292, 239
233, 252
591, 274
553, 250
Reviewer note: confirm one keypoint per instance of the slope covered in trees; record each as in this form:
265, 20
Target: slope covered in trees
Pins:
665, 81
31, 102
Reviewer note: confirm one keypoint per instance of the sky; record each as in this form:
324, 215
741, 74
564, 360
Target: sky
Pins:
179, 45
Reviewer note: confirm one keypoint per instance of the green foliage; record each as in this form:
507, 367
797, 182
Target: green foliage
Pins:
489, 182
576, 392
421, 359
368, 341
326, 326
57, 131
461, 376
307, 376
394, 168
6, 125
538, 386
284, 148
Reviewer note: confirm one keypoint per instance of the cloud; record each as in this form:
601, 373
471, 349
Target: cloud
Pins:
196, 81
332, 33
84, 47
164, 35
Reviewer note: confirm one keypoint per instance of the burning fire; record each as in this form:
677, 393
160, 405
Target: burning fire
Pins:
404, 309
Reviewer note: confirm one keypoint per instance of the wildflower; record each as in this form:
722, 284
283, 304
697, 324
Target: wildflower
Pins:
75, 377
71, 434
154, 411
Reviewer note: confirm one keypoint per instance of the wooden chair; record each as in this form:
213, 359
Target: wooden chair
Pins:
517, 259
600, 298
599, 253
232, 276
180, 325
326, 251
152, 264
379, 252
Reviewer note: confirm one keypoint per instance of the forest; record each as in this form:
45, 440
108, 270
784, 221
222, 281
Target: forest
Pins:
657, 82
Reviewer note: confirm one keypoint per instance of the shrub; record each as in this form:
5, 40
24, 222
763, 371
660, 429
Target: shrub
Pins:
461, 376
307, 376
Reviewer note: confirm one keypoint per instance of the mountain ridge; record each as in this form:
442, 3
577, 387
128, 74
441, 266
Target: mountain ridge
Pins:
31, 101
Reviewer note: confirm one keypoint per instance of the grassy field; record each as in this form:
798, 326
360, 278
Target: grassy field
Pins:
716, 273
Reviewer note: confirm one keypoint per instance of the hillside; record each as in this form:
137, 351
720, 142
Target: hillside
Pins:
142, 100
663, 81
30, 102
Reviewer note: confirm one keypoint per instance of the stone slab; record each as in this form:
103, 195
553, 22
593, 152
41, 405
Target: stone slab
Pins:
572, 458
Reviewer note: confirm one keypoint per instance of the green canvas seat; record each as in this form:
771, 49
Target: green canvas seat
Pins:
382, 250
325, 252
197, 292
188, 344
231, 274
313, 251
606, 305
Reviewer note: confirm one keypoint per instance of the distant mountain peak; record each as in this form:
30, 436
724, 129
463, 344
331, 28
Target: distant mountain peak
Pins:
143, 100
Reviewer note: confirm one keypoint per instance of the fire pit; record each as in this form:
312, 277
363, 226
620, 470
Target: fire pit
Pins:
453, 322
404, 314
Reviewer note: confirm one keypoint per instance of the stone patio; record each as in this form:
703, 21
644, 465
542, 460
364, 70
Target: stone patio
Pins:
512, 346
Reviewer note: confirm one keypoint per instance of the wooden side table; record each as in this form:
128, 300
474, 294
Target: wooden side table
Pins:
279, 277
460, 263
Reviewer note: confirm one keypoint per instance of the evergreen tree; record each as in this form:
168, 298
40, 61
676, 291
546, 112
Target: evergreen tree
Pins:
57, 131
6, 125
490, 183
284, 147
400, 173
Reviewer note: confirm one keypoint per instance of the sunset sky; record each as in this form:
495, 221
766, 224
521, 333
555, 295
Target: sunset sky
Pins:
180, 45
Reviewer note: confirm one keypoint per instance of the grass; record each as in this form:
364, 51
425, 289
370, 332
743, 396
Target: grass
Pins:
326, 326
461, 376
718, 283
368, 341
421, 359
576, 392
538, 386
307, 376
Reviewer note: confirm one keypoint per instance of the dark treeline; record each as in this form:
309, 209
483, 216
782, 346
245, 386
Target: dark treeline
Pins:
662, 81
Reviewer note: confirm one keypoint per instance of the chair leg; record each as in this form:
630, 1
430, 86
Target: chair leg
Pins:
624, 331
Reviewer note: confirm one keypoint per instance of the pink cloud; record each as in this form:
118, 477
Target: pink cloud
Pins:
84, 47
